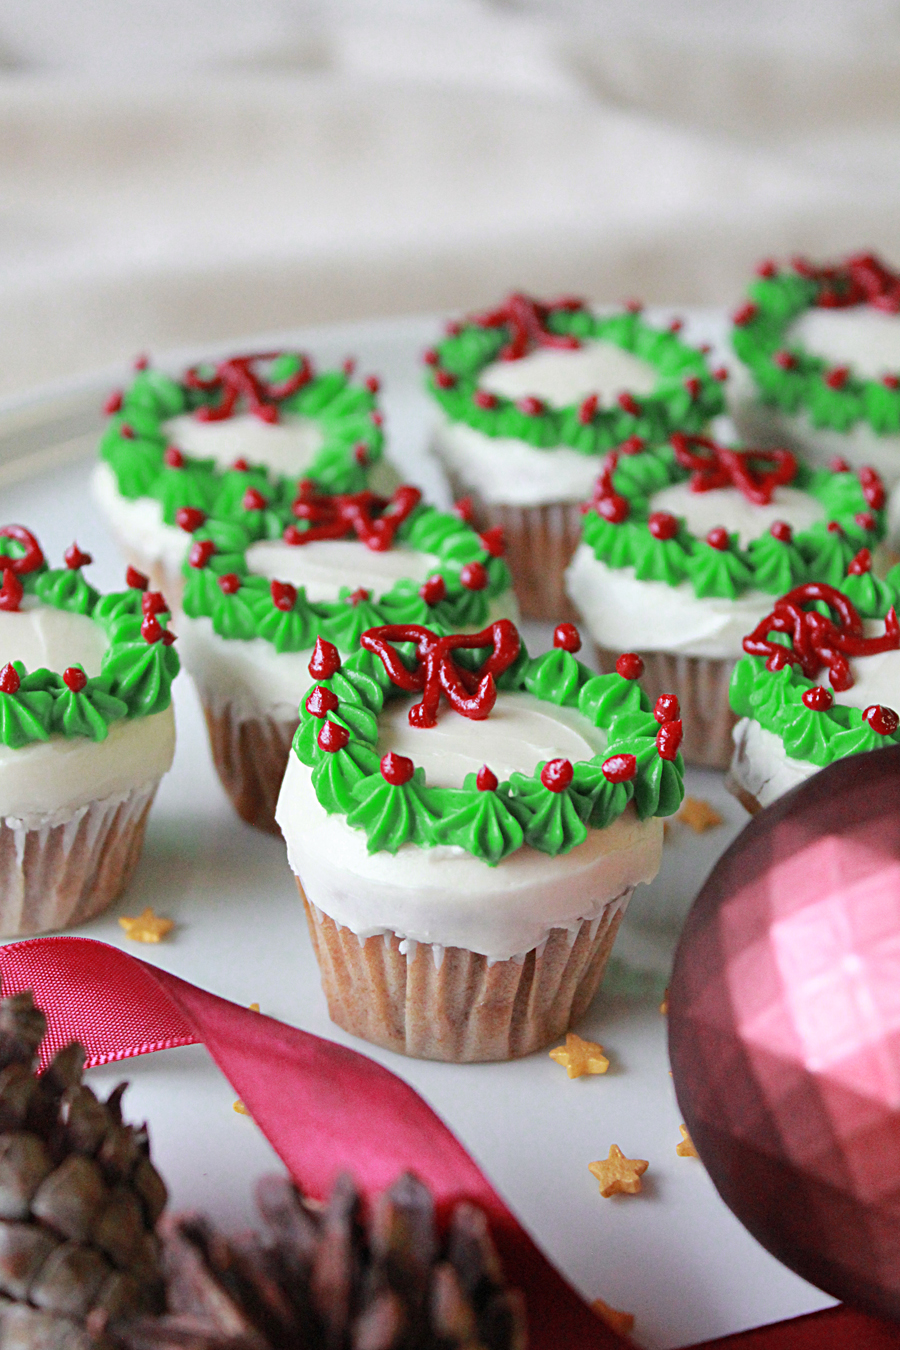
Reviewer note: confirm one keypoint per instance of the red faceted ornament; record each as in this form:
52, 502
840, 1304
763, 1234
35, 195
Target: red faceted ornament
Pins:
784, 1029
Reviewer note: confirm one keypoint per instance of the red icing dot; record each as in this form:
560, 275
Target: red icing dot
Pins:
396, 769
891, 381
614, 508
325, 660
628, 403
744, 315
9, 679
766, 269
833, 527
126, 431
443, 379
74, 558
837, 378
557, 775
321, 702
229, 583
882, 720
485, 399
358, 596
630, 666
376, 418
373, 384
785, 360
240, 465
486, 780
453, 328
619, 768
142, 361
349, 366
153, 602
865, 520
136, 580
873, 488
189, 518
113, 403
11, 592
361, 454
151, 629
662, 525
201, 552
666, 708
861, 564
632, 445
781, 530
838, 465
253, 500
430, 356
531, 407
433, 590
693, 386
333, 737
718, 538
676, 325
74, 679
284, 595
668, 739
634, 306
474, 576
464, 510
818, 698
567, 637
173, 457
493, 541
588, 408
720, 374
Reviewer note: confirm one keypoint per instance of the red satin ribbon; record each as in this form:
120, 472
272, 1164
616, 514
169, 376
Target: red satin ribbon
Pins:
325, 1108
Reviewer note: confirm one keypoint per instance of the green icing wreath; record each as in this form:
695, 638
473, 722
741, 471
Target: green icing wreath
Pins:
686, 396
795, 380
137, 451
137, 669
623, 532
494, 821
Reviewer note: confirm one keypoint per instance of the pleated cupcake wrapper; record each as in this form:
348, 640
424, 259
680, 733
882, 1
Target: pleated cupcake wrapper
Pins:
748, 800
68, 867
701, 684
451, 1004
250, 752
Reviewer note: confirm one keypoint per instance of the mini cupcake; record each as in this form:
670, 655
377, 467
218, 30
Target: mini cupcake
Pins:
178, 449
531, 396
86, 733
465, 865
683, 549
262, 586
791, 725
820, 354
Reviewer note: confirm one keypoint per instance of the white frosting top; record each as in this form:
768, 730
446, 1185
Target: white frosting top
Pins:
703, 511
287, 446
561, 377
862, 337
44, 637
326, 565
445, 895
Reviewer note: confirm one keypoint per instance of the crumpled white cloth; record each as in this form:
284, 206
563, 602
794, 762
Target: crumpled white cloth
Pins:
187, 171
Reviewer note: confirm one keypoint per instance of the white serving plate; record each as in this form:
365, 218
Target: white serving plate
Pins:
674, 1255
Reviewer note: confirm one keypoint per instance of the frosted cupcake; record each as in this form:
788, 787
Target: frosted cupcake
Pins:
821, 680
531, 397
466, 827
176, 450
820, 354
86, 733
262, 586
684, 548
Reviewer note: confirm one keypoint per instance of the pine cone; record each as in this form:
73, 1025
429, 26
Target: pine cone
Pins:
325, 1282
79, 1199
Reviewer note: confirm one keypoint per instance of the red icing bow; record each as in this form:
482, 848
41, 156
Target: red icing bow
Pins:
861, 280
239, 378
818, 641
756, 473
11, 588
472, 693
526, 320
374, 520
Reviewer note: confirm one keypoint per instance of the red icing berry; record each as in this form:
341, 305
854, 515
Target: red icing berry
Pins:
632, 445
662, 525
718, 538
873, 488
693, 386
325, 660
253, 500
11, 592
361, 454
240, 465
676, 325
838, 465
785, 360
373, 384
882, 720
613, 508
136, 580
113, 403
819, 699
834, 527
151, 629
396, 769
865, 520
9, 679
634, 306
474, 576
349, 366
333, 737
891, 381
746, 314
189, 518
74, 558
557, 774
668, 739
485, 399
358, 596
588, 409
201, 552
861, 564
766, 269
173, 457
433, 590
74, 678
464, 510
493, 541
229, 583
666, 708
630, 666
781, 530
453, 328
443, 379
720, 374
126, 431
486, 780
376, 418
321, 702
430, 356
619, 768
284, 595
153, 602
837, 378
531, 407
628, 403
567, 637
142, 361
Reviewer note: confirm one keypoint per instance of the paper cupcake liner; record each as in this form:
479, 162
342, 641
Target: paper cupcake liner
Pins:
747, 800
250, 755
701, 684
450, 1004
57, 873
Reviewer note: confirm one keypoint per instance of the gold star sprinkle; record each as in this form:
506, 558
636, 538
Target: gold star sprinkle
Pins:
698, 815
580, 1056
147, 927
686, 1148
618, 1174
664, 1006
622, 1322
